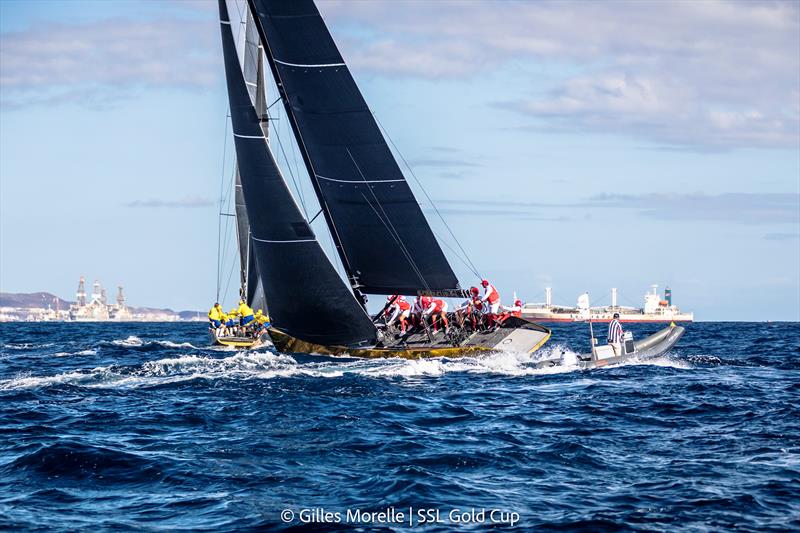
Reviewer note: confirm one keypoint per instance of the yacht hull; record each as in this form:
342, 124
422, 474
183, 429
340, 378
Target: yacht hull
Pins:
516, 334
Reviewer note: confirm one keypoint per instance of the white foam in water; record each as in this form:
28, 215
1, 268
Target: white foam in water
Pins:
26, 346
130, 341
82, 352
256, 364
664, 361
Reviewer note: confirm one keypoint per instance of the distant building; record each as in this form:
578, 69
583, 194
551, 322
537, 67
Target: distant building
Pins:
97, 309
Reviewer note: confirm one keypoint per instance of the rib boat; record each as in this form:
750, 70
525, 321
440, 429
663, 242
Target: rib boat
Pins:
651, 346
381, 237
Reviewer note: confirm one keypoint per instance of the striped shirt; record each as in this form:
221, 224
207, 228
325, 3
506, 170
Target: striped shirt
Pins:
614, 331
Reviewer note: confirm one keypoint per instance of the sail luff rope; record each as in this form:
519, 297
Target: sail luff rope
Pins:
425, 192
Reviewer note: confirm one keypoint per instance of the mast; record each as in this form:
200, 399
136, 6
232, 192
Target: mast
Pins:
352, 276
307, 298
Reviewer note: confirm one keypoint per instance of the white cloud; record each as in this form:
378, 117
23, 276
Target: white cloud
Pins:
742, 208
104, 60
710, 74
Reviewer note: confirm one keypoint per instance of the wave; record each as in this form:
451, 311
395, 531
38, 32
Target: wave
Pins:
266, 364
90, 351
132, 341
245, 365
79, 461
26, 346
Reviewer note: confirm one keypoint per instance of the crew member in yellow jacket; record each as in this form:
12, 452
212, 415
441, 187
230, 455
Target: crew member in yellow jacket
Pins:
215, 316
262, 322
245, 312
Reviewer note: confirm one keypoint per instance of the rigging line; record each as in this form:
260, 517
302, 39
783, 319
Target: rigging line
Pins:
398, 241
315, 217
278, 99
458, 255
219, 219
473, 268
230, 275
392, 229
294, 151
289, 167
226, 238
294, 158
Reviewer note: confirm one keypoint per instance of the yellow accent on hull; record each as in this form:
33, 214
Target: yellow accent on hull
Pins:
287, 343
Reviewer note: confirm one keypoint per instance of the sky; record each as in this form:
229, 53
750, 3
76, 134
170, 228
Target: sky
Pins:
573, 145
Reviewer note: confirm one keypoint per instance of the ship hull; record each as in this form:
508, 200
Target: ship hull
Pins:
517, 334
641, 319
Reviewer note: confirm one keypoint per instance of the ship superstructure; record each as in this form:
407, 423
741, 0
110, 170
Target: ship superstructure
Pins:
655, 309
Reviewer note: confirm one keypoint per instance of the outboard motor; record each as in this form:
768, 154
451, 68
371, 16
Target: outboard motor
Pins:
627, 343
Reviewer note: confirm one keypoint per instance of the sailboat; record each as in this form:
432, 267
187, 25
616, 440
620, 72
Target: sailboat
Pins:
379, 232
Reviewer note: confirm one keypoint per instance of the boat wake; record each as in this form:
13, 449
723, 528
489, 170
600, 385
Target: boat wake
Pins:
267, 364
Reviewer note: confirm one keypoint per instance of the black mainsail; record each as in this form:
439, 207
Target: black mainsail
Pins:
306, 296
381, 234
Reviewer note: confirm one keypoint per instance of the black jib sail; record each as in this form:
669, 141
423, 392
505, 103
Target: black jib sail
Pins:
384, 241
306, 296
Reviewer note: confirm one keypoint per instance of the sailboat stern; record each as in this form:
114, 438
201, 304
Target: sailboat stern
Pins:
520, 335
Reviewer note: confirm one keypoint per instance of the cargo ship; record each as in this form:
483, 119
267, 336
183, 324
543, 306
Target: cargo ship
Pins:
655, 309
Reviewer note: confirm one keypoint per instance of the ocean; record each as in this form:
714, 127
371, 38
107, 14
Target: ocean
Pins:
109, 427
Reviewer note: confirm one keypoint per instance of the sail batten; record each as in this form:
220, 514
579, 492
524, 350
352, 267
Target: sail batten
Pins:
306, 297
380, 232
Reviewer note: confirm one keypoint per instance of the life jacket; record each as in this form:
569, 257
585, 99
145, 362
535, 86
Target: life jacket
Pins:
493, 295
438, 306
403, 305
215, 314
245, 310
425, 302
477, 303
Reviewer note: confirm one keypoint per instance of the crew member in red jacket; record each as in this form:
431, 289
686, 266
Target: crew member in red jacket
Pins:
437, 309
492, 299
400, 310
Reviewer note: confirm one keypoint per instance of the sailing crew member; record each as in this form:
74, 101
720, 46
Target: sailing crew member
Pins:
437, 308
262, 323
466, 311
615, 334
479, 308
492, 299
515, 310
246, 313
401, 310
416, 312
215, 316
232, 321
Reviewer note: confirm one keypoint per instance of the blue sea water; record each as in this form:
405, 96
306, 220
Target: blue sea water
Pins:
144, 426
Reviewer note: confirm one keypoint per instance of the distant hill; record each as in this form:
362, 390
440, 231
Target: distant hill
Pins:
42, 299
33, 299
